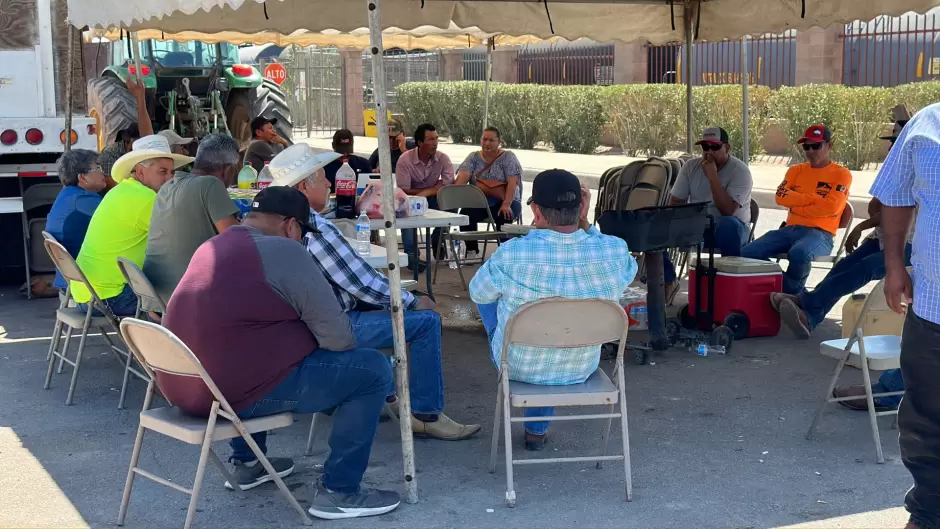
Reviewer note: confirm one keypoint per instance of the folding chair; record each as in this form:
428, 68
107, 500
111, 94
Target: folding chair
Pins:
74, 318
159, 351
560, 322
35, 196
845, 224
755, 214
874, 353
455, 197
141, 286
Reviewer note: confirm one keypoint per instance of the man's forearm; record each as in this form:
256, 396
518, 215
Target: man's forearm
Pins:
721, 198
895, 223
144, 125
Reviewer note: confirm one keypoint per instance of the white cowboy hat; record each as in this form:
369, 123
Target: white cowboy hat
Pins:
175, 139
297, 162
146, 148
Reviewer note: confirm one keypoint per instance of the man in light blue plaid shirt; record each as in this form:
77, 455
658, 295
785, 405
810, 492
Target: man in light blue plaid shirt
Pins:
909, 178
563, 257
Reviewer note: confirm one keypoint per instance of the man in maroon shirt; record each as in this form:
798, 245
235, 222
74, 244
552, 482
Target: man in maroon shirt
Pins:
262, 319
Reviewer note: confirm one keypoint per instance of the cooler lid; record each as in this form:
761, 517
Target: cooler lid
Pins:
743, 265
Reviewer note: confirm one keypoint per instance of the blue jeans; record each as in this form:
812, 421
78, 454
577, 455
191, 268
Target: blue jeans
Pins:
890, 380
355, 383
801, 244
488, 315
730, 235
124, 304
373, 330
866, 263
408, 237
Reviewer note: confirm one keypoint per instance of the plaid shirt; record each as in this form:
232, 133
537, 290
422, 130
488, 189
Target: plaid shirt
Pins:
352, 279
543, 264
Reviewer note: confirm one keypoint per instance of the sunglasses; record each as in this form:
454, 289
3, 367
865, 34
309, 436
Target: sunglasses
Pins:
812, 146
711, 147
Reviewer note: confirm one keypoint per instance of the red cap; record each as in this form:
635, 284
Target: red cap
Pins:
816, 134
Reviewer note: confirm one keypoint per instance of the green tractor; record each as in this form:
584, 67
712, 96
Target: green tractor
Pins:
193, 88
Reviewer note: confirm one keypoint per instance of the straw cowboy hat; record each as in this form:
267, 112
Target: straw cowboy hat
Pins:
146, 148
297, 162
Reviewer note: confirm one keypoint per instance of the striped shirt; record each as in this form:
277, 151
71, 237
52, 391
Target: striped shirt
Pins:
544, 264
909, 177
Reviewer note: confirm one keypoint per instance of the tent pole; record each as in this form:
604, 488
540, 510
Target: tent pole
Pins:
745, 103
490, 42
135, 49
391, 248
687, 19
69, 89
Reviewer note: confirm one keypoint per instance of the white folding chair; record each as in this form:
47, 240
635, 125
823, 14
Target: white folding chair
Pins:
159, 351
561, 322
874, 353
73, 318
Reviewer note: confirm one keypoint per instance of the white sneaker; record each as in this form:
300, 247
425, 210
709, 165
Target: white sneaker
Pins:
472, 255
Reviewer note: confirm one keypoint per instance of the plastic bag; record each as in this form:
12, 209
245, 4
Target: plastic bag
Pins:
371, 201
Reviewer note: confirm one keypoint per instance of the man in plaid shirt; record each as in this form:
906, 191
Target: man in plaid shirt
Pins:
563, 257
365, 295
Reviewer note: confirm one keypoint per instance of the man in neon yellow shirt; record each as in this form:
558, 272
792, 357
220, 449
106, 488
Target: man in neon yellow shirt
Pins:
120, 225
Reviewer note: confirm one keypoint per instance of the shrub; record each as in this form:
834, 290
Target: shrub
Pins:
720, 106
649, 118
915, 96
572, 118
868, 110
515, 110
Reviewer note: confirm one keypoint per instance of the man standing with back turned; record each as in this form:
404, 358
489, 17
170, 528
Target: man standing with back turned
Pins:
909, 178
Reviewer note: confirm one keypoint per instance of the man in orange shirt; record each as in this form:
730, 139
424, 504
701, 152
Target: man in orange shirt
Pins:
815, 193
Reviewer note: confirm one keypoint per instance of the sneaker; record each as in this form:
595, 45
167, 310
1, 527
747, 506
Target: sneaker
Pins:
444, 428
419, 265
795, 319
252, 473
330, 505
472, 255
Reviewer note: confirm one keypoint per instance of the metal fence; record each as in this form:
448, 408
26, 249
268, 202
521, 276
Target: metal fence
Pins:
314, 89
771, 62
889, 51
474, 66
400, 67
566, 65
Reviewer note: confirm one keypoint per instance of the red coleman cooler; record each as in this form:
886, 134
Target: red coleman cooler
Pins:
742, 296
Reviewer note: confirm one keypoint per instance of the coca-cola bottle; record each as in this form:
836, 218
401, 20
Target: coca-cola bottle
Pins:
345, 191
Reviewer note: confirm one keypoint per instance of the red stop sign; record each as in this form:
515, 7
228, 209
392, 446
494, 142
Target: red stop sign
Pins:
275, 72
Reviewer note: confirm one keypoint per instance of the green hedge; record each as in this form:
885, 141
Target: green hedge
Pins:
649, 119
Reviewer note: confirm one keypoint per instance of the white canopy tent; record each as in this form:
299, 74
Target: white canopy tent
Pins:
602, 20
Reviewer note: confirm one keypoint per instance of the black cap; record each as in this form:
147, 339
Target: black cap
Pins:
714, 135
549, 189
131, 133
286, 202
898, 125
343, 141
260, 122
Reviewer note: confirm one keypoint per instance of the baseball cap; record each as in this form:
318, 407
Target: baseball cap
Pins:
343, 141
714, 135
173, 138
898, 125
816, 134
549, 187
131, 133
261, 121
394, 128
286, 202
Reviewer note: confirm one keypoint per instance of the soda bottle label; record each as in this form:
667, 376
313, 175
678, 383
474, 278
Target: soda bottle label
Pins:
263, 184
345, 187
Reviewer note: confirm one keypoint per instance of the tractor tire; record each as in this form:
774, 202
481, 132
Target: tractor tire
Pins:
267, 100
112, 106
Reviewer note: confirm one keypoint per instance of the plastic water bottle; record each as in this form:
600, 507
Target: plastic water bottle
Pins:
461, 253
363, 235
705, 349
264, 177
247, 177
